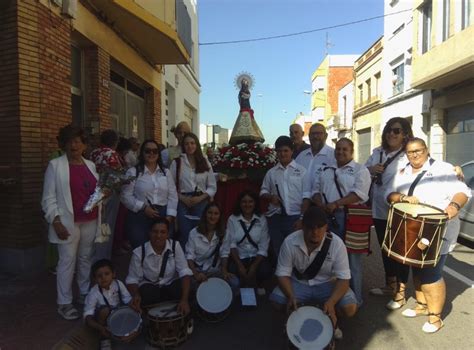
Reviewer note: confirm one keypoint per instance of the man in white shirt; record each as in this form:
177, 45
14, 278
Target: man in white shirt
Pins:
283, 188
314, 159
301, 280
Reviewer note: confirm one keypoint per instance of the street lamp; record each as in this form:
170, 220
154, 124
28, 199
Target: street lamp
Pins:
307, 92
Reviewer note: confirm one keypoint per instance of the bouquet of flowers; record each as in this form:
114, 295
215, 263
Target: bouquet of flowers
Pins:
251, 159
109, 180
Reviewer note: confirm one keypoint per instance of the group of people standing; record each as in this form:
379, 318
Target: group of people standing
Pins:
180, 237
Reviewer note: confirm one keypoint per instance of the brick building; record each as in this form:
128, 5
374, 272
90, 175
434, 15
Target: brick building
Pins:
334, 72
94, 63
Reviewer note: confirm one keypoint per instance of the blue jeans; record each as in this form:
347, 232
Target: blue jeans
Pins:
186, 224
355, 264
138, 226
337, 224
319, 293
279, 227
355, 260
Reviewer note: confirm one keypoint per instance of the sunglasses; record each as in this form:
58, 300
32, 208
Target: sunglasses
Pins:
396, 131
151, 150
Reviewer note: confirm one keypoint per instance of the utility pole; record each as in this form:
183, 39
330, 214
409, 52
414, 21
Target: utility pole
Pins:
329, 44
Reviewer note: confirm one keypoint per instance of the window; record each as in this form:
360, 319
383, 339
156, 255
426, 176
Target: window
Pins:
77, 93
369, 90
467, 13
426, 13
377, 85
445, 19
363, 145
398, 79
361, 95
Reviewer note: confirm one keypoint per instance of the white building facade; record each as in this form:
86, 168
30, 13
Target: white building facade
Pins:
343, 119
181, 87
399, 99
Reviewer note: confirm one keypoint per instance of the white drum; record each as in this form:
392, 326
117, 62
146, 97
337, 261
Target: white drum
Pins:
214, 298
124, 321
309, 328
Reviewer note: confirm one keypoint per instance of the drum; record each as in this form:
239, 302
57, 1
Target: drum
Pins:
214, 298
414, 234
123, 321
167, 327
309, 328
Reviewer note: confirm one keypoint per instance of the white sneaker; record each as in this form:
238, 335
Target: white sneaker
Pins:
338, 334
68, 312
105, 344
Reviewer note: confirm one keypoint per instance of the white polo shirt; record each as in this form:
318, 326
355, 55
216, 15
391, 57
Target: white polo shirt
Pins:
200, 250
94, 299
379, 201
437, 187
294, 254
290, 185
235, 233
189, 180
324, 158
156, 187
352, 177
176, 267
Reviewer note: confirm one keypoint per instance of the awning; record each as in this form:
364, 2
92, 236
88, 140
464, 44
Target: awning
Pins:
152, 37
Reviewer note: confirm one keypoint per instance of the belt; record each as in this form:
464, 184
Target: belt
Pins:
192, 194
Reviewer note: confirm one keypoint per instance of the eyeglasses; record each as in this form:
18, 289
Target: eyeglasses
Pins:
151, 150
396, 131
417, 152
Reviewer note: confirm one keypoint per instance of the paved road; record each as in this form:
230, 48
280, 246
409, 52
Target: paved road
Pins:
28, 318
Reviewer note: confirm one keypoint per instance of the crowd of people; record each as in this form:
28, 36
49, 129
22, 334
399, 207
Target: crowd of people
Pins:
179, 237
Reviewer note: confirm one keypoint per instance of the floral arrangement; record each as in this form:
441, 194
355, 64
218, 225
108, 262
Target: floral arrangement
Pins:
109, 180
250, 159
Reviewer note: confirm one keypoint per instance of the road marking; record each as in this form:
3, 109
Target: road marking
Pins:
458, 276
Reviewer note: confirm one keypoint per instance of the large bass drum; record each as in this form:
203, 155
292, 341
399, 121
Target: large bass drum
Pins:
414, 234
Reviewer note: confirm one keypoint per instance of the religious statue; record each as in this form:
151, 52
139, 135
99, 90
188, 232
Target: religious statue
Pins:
245, 129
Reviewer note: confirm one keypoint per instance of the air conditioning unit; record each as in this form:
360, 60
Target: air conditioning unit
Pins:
69, 8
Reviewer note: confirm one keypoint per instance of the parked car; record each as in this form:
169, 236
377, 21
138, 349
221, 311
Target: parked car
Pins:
466, 234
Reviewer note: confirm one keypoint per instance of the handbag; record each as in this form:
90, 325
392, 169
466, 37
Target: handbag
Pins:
358, 224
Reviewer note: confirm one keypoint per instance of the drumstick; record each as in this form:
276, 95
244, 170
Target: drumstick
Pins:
430, 214
171, 309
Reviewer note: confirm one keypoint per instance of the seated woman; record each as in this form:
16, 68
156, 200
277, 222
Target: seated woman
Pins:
158, 270
248, 239
205, 246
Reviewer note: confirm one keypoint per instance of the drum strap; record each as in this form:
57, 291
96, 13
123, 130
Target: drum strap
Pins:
163, 263
335, 181
313, 269
178, 171
119, 293
215, 254
247, 233
418, 178
283, 210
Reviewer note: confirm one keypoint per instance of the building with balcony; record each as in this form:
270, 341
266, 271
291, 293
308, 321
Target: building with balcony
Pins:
343, 119
181, 87
94, 63
399, 98
334, 72
443, 62
367, 113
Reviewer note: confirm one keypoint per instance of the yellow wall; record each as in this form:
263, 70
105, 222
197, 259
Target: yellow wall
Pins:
164, 10
318, 98
370, 120
101, 35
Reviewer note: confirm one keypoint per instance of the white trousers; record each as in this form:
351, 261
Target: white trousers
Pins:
79, 250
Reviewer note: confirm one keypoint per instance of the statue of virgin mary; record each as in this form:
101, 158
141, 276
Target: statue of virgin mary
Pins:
245, 128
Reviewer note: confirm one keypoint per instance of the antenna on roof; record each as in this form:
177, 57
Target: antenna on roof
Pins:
329, 44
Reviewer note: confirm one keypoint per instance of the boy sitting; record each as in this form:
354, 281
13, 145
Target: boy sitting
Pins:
107, 294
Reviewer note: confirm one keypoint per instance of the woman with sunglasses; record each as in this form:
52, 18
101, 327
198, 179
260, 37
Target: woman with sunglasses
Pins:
150, 196
195, 183
424, 180
383, 164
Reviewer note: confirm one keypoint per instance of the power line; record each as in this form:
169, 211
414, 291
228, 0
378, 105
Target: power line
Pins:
300, 33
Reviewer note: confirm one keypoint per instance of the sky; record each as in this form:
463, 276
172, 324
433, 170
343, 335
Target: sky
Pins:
282, 68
